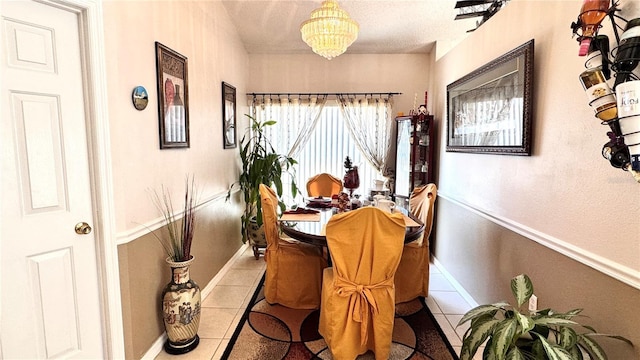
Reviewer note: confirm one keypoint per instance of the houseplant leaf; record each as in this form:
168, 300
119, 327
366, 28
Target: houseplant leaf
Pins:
522, 288
503, 336
554, 352
476, 336
482, 310
592, 347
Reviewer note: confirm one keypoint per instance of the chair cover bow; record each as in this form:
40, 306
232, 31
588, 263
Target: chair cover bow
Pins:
364, 305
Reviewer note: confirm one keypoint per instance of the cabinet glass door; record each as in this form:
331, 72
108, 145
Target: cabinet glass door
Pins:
403, 157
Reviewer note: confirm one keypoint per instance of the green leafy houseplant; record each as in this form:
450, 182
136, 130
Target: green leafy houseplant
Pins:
180, 232
515, 335
260, 165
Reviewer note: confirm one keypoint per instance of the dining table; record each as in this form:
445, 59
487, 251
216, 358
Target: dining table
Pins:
309, 226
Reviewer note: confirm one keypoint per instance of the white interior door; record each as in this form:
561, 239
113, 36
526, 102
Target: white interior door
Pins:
50, 287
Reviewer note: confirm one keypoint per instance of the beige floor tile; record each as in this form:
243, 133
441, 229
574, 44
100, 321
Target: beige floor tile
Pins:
433, 269
247, 261
454, 320
240, 276
227, 296
220, 350
205, 350
450, 302
448, 330
438, 282
214, 322
234, 324
433, 306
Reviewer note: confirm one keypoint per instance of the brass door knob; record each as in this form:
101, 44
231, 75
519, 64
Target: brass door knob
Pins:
82, 228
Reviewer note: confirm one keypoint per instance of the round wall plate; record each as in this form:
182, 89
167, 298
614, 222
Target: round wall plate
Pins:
140, 97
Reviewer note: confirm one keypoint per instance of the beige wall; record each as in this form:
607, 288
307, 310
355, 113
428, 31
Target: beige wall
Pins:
201, 31
406, 74
563, 215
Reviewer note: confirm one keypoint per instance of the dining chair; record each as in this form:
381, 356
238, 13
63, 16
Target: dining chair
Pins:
358, 295
293, 277
323, 184
412, 277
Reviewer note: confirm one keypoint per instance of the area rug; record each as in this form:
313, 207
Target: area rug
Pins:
276, 332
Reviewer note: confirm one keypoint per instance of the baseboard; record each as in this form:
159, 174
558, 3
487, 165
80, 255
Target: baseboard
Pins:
157, 345
454, 283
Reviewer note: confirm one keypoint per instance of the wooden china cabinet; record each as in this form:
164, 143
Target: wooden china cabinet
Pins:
414, 153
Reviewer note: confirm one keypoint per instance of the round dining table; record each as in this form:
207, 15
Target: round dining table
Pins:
312, 232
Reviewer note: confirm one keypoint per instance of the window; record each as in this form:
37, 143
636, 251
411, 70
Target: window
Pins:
330, 142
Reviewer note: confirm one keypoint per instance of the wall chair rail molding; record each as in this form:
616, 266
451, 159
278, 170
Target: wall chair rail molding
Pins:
127, 236
619, 272
490, 109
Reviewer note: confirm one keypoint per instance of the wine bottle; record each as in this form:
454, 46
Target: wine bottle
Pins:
591, 15
599, 94
628, 52
617, 153
598, 55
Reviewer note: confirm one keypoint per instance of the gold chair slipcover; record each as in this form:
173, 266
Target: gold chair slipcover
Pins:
323, 185
412, 277
358, 295
294, 270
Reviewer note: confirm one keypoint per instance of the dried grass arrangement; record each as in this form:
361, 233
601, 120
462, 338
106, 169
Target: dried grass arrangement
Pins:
180, 230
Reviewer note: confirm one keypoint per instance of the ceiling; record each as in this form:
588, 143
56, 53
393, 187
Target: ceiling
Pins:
386, 27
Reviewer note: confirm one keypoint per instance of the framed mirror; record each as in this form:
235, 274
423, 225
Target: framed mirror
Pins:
229, 116
490, 109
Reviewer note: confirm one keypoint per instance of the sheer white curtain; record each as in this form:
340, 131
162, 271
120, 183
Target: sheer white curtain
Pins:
370, 121
295, 116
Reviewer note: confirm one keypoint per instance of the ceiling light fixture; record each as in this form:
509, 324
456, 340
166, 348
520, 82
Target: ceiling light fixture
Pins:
329, 31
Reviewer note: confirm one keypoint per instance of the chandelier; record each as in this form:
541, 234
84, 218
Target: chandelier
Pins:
329, 31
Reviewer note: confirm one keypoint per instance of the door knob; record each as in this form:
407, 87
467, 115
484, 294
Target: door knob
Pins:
83, 228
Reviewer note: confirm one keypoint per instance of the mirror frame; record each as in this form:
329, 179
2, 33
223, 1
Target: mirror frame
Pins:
517, 62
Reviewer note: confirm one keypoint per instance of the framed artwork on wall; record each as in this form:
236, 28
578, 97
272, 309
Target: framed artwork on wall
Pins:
173, 98
490, 109
229, 133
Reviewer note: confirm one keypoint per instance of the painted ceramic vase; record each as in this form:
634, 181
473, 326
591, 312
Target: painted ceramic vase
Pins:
181, 309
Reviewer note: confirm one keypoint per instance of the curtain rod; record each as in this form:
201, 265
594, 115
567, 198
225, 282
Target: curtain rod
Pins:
326, 94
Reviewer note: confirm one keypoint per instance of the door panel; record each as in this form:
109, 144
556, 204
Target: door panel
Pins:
50, 287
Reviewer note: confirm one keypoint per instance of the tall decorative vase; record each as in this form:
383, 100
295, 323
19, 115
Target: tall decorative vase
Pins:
181, 309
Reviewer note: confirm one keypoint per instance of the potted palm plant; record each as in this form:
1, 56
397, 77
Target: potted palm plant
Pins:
512, 334
261, 164
181, 299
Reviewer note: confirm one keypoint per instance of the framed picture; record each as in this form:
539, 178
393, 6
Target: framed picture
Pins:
229, 116
490, 109
173, 98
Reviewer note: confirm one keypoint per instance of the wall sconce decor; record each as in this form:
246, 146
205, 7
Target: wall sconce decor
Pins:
618, 107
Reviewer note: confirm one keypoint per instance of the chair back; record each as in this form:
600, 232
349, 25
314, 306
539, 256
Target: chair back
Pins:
421, 204
323, 185
365, 246
269, 201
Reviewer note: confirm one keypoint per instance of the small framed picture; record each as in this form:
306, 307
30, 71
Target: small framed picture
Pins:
229, 133
173, 98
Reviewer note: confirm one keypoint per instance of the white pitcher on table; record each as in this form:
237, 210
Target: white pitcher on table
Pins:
377, 198
386, 205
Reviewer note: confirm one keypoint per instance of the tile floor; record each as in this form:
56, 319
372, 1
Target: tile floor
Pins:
224, 306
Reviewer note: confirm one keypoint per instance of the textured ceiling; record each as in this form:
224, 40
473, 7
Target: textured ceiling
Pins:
386, 27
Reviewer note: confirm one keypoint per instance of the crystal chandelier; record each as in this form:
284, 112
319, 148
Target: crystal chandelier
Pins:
330, 31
